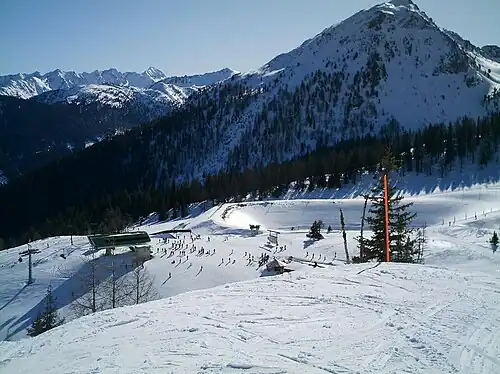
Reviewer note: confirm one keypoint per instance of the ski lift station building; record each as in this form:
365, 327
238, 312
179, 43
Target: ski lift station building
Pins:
126, 239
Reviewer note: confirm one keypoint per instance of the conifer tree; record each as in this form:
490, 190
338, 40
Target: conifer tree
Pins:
47, 318
494, 240
315, 231
401, 242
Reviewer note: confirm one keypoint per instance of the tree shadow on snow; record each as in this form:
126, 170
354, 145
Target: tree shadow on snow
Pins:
13, 297
308, 243
75, 286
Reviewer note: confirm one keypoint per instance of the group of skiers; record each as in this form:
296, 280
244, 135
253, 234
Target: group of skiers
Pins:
182, 248
320, 257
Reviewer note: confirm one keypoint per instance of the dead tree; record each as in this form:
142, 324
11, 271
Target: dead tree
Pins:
361, 240
115, 289
143, 286
88, 291
421, 240
344, 235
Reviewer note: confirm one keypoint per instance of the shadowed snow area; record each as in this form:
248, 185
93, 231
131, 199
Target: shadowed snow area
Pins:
219, 315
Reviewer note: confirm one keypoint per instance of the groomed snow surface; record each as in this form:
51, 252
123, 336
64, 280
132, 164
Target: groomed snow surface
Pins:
441, 317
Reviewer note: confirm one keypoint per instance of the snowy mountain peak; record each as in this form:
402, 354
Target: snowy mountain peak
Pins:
198, 80
406, 3
154, 73
109, 87
25, 86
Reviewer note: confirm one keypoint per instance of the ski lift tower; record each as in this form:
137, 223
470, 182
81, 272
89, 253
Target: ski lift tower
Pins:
29, 252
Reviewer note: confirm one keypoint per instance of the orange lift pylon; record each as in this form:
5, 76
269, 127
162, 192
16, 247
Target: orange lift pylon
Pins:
386, 203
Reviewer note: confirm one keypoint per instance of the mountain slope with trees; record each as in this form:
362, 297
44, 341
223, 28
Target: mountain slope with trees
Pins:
83, 109
329, 106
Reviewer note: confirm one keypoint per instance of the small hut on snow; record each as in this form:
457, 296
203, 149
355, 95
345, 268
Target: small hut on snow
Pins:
276, 266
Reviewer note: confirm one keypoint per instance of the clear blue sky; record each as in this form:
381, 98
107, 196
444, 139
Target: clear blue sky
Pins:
191, 36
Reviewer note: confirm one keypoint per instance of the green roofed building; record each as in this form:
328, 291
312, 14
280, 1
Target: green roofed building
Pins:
102, 241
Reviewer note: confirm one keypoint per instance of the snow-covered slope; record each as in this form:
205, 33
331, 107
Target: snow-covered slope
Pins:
386, 68
25, 86
390, 319
200, 80
3, 178
432, 318
391, 61
151, 90
459, 215
151, 103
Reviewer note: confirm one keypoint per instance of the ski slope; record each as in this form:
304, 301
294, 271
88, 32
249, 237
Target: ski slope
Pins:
432, 318
389, 319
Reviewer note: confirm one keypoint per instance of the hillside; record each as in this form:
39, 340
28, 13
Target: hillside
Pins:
33, 134
430, 318
100, 103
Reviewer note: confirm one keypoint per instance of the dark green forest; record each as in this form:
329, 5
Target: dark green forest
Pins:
34, 133
59, 199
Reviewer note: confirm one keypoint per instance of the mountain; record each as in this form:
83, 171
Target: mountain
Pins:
150, 96
33, 133
151, 102
199, 80
386, 73
492, 52
24, 86
114, 101
387, 68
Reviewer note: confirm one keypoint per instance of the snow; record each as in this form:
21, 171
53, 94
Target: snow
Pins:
431, 318
110, 87
200, 80
3, 178
384, 320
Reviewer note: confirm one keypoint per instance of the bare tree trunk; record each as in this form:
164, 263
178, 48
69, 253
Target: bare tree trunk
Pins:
86, 299
113, 282
144, 286
94, 287
361, 240
117, 288
344, 235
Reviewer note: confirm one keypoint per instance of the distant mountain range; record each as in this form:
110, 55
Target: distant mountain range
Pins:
25, 86
102, 103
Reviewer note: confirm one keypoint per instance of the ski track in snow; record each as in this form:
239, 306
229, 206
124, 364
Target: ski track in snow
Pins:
310, 323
